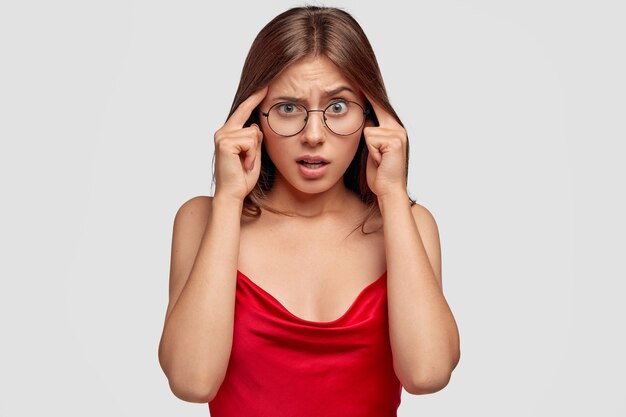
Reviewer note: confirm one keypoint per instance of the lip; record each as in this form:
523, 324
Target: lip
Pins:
312, 172
312, 158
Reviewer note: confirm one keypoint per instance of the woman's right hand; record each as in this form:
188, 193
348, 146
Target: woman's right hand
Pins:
238, 151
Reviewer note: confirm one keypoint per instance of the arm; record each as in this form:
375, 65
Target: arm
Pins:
197, 336
423, 333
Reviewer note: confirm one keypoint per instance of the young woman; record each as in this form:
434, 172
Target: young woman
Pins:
310, 283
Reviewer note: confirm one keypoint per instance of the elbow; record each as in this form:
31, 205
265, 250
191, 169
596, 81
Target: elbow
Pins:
187, 387
428, 381
436, 379
427, 384
432, 381
192, 392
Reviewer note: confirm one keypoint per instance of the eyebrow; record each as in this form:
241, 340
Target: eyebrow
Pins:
326, 94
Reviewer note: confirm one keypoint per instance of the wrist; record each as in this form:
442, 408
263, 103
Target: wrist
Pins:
399, 195
399, 198
221, 199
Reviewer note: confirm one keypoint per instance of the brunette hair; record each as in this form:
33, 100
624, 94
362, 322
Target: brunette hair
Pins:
312, 31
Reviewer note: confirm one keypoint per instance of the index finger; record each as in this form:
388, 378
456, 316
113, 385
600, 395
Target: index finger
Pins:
383, 116
243, 111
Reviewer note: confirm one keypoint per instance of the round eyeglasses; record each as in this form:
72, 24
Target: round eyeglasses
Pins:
342, 117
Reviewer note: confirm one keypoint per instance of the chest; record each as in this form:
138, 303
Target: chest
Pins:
315, 273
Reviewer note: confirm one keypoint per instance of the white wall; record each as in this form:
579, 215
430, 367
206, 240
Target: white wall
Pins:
515, 112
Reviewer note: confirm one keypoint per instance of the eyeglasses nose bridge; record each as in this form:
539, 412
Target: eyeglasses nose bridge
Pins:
306, 119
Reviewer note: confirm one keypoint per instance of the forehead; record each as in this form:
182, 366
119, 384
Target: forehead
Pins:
312, 77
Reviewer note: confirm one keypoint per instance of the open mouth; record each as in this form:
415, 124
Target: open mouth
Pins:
312, 165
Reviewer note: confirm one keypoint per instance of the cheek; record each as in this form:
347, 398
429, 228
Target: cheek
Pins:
270, 139
349, 151
354, 144
272, 148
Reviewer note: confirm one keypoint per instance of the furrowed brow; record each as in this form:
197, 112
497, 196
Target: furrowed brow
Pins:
338, 90
289, 98
326, 94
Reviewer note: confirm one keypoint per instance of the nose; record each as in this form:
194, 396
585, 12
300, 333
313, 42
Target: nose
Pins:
314, 130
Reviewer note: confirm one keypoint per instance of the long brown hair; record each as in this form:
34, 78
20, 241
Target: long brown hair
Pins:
311, 31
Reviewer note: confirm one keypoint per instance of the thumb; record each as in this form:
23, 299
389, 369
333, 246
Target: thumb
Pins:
257, 154
260, 135
374, 153
251, 155
371, 164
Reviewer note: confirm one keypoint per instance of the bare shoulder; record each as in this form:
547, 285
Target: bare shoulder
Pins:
189, 226
429, 232
423, 217
197, 208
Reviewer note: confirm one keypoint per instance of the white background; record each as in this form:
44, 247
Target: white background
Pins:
515, 112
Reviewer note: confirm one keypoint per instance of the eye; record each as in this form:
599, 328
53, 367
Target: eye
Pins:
338, 107
287, 108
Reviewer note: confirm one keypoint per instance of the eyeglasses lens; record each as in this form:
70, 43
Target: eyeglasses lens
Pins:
341, 117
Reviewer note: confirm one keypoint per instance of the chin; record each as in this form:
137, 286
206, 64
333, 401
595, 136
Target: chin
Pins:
298, 181
311, 187
306, 186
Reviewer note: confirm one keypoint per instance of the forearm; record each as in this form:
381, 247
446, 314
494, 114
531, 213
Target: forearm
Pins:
423, 333
197, 337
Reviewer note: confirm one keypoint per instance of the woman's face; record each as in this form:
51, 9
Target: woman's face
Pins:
315, 83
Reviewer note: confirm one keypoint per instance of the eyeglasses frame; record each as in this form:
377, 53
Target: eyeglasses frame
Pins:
366, 112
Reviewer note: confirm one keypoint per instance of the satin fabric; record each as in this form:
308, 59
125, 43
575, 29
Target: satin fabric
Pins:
283, 365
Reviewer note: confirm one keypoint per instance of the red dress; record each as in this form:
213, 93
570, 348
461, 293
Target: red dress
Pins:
282, 365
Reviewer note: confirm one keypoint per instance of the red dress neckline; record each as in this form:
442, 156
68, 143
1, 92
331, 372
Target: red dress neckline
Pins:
282, 307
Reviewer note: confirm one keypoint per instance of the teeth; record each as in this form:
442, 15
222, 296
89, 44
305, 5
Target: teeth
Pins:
312, 166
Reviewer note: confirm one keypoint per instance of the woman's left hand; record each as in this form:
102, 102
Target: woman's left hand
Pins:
386, 163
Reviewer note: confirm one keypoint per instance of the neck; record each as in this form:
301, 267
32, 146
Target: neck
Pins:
285, 197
